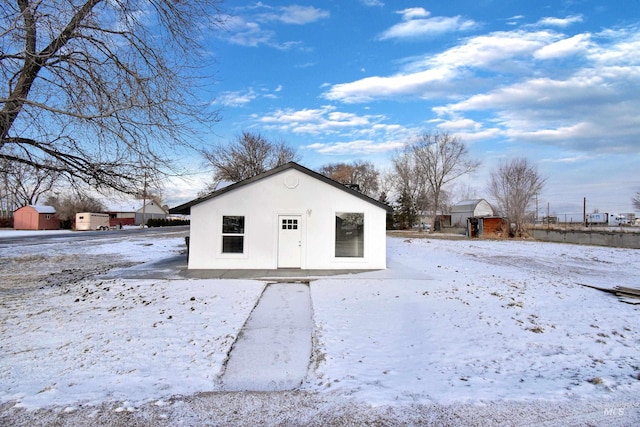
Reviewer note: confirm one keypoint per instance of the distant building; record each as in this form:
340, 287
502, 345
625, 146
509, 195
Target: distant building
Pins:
120, 218
151, 211
36, 218
476, 208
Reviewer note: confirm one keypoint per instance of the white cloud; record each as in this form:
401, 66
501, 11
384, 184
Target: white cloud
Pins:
355, 147
317, 121
576, 113
559, 22
400, 85
377, 3
431, 76
246, 33
563, 48
249, 29
300, 15
417, 24
491, 50
413, 13
618, 47
360, 134
236, 99
427, 27
457, 125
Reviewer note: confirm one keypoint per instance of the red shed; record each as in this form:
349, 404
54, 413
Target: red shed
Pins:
36, 218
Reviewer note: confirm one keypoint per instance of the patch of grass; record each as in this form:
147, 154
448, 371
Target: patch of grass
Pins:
595, 380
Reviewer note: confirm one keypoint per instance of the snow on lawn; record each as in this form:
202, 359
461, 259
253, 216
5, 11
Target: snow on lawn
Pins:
65, 339
447, 322
480, 320
119, 340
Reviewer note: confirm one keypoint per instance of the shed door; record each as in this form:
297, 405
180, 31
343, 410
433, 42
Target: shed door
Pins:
289, 241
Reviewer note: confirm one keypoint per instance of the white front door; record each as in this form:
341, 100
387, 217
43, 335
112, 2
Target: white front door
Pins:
289, 241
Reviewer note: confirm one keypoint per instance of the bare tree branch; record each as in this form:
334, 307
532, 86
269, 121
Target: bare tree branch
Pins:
249, 155
361, 173
635, 200
98, 86
514, 185
438, 159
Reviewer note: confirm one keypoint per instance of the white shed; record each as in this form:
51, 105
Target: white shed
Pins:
288, 217
469, 209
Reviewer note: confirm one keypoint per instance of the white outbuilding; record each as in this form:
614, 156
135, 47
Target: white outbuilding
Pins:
475, 208
287, 218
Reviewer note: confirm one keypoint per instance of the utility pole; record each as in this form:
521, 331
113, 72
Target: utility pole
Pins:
584, 211
144, 200
547, 215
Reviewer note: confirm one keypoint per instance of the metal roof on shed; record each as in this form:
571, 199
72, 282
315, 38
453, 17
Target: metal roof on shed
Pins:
44, 209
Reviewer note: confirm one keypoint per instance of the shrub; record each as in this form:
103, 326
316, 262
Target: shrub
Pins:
164, 222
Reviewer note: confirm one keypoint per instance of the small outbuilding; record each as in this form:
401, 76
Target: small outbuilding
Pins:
120, 218
487, 226
469, 209
32, 217
289, 217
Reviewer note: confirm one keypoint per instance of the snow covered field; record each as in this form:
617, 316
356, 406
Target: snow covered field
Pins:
454, 332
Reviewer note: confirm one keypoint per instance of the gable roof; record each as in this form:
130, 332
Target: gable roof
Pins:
185, 208
41, 209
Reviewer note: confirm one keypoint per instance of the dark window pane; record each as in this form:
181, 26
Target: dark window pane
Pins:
232, 244
233, 224
349, 235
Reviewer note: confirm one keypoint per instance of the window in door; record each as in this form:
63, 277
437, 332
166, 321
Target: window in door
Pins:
289, 224
233, 234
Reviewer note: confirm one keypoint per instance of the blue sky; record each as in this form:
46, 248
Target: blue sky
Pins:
557, 82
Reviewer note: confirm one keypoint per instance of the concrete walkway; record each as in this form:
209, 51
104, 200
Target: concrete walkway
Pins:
273, 350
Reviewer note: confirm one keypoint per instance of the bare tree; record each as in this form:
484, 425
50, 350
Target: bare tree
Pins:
441, 159
361, 173
635, 200
69, 205
24, 184
249, 155
408, 180
95, 89
514, 185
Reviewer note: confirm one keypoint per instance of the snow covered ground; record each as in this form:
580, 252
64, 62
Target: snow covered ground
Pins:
453, 332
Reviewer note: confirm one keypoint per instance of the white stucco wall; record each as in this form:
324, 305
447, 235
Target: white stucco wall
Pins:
290, 192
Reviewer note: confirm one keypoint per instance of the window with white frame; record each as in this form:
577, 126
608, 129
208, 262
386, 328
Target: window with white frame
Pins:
233, 234
349, 234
